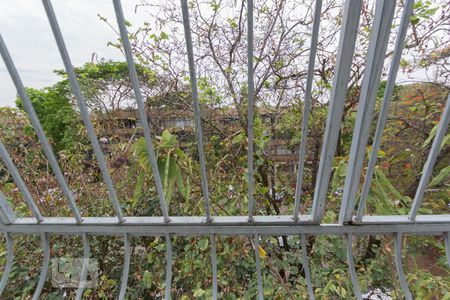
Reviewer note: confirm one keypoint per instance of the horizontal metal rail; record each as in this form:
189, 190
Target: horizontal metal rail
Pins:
238, 225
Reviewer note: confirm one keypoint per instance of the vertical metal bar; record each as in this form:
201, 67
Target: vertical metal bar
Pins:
214, 266
399, 266
306, 267
83, 108
379, 38
346, 49
39, 131
7, 215
126, 266
258, 269
20, 183
393, 70
250, 104
447, 246
431, 160
198, 120
141, 106
9, 262
45, 264
169, 263
85, 268
351, 267
307, 107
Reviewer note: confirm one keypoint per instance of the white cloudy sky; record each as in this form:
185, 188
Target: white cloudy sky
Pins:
27, 34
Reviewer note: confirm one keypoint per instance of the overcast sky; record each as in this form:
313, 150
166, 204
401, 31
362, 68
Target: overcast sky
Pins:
27, 34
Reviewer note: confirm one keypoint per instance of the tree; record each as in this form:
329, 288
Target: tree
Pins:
281, 48
282, 35
56, 112
106, 86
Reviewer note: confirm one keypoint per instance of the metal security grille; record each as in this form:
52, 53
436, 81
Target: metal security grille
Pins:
352, 220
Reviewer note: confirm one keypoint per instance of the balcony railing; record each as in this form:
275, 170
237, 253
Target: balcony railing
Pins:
352, 220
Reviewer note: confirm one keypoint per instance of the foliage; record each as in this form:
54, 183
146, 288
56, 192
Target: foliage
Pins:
55, 111
226, 159
105, 84
281, 51
170, 160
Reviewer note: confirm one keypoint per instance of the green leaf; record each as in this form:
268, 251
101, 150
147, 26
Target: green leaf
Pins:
430, 137
444, 173
238, 139
445, 140
140, 151
386, 183
166, 170
138, 188
199, 293
180, 184
168, 140
164, 36
147, 279
203, 244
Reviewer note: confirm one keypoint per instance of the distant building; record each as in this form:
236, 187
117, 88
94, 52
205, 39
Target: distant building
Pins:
120, 125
